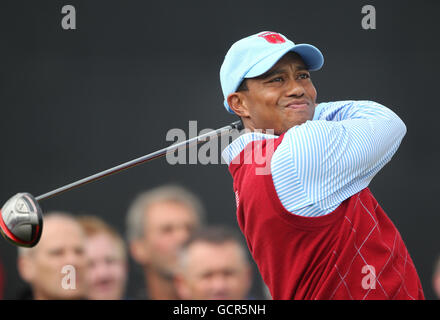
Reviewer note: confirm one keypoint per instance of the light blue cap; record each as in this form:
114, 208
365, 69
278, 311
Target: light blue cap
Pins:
254, 55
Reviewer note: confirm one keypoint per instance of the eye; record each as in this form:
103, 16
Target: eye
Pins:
277, 79
110, 260
56, 252
79, 251
167, 229
304, 75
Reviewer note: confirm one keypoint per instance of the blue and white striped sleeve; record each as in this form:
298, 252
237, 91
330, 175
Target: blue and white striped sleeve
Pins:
322, 162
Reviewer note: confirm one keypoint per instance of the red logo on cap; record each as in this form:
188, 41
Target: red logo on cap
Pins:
272, 37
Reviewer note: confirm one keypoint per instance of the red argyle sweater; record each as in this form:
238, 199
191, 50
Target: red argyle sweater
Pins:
354, 252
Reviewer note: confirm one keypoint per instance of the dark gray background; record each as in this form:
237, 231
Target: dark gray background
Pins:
77, 102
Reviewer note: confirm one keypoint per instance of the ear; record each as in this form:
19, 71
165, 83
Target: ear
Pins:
139, 252
26, 268
181, 286
238, 104
436, 285
249, 278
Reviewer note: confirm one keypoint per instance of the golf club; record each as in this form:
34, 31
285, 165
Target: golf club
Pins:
21, 217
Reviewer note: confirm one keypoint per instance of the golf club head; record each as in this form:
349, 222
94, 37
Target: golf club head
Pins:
21, 220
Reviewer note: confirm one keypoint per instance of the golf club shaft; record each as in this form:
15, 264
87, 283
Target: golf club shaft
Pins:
157, 154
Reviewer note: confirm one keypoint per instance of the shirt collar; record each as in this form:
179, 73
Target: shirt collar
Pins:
234, 149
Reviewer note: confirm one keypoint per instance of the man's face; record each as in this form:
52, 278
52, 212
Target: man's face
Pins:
281, 98
106, 272
215, 272
61, 244
167, 226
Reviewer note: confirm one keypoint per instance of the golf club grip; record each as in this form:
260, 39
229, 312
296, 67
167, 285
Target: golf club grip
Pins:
238, 125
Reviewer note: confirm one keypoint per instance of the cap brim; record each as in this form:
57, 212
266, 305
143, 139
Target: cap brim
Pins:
311, 56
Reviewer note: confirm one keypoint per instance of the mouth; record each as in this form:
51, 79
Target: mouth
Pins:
221, 296
299, 104
104, 285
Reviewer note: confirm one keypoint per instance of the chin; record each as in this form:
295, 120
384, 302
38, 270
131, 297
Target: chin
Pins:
71, 296
298, 122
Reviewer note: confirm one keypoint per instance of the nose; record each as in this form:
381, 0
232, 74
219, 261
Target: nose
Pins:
219, 285
219, 282
294, 88
101, 272
76, 259
101, 268
181, 234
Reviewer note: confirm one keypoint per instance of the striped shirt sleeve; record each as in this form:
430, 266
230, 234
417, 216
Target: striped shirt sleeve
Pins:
322, 162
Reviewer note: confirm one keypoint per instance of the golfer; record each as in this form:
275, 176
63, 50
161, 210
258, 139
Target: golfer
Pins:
301, 176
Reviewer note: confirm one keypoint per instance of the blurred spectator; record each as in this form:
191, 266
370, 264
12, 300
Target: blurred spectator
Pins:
436, 278
214, 266
55, 267
106, 273
158, 222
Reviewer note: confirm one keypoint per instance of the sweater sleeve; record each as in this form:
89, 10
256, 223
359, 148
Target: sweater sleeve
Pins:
322, 162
